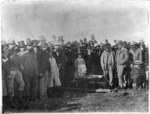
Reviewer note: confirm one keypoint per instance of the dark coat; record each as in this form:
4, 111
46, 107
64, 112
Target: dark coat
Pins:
30, 63
137, 76
14, 60
43, 60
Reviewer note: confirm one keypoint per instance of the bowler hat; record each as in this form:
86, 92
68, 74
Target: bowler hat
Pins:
3, 43
44, 45
119, 42
12, 42
29, 43
141, 41
42, 38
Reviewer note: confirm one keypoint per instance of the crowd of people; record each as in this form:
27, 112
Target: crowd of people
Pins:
38, 69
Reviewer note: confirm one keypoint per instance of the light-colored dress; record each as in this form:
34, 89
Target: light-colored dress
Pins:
80, 68
54, 73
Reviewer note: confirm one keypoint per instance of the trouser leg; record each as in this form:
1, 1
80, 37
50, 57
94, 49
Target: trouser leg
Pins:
27, 80
41, 86
34, 88
20, 82
10, 82
120, 75
106, 74
110, 76
62, 75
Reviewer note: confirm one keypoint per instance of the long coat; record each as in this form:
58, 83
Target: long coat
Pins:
107, 59
30, 63
122, 57
43, 60
54, 73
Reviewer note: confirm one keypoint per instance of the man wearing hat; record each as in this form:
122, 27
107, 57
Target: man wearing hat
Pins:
122, 57
136, 53
141, 42
44, 71
28, 40
61, 40
91, 43
69, 73
89, 60
60, 57
42, 39
22, 48
30, 64
95, 60
108, 64
14, 67
145, 54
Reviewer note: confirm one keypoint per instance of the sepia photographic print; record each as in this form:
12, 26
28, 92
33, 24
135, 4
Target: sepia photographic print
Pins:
74, 56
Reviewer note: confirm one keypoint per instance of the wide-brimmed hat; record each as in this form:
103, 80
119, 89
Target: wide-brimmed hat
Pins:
44, 45
11, 42
133, 43
91, 42
107, 45
79, 53
29, 43
141, 41
60, 38
42, 38
21, 44
57, 44
35, 42
4, 43
119, 42
101, 45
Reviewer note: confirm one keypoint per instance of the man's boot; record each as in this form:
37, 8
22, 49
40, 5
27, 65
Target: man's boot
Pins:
11, 102
50, 92
59, 91
21, 100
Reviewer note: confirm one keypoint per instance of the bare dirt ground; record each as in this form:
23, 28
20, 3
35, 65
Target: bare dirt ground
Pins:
121, 101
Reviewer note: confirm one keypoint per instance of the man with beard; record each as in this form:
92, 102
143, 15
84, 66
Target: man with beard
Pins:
30, 64
70, 65
60, 57
44, 71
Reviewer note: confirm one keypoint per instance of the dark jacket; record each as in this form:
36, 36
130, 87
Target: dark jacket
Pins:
43, 59
30, 63
14, 60
60, 58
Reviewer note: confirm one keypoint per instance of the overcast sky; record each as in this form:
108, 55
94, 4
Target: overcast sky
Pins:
75, 20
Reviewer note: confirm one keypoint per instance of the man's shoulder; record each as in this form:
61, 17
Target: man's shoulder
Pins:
25, 54
104, 52
139, 50
124, 49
